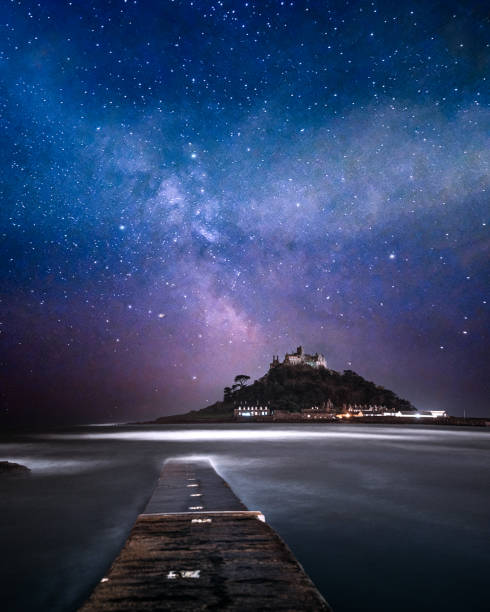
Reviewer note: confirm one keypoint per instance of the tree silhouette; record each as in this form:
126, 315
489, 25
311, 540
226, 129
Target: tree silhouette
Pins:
241, 379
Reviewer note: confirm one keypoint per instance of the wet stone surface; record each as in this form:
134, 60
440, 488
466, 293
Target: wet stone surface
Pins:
234, 562
191, 486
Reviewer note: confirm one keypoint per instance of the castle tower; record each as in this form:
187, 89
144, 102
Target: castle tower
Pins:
275, 361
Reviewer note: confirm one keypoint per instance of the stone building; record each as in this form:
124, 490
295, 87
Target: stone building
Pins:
300, 358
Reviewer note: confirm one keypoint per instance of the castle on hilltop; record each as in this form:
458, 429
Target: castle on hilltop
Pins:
300, 358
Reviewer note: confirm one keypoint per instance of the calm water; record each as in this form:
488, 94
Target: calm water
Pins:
382, 517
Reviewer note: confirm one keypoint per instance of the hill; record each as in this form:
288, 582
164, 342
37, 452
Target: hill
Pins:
292, 388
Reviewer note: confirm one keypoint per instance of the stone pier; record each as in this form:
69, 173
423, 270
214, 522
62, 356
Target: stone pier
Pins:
196, 547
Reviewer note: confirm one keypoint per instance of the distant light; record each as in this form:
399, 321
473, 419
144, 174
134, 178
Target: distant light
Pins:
392, 255
161, 315
122, 227
194, 378
193, 155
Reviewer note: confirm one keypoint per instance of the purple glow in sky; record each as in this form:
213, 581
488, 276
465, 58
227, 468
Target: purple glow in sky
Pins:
191, 187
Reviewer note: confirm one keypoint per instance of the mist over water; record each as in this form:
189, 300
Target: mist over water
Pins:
381, 517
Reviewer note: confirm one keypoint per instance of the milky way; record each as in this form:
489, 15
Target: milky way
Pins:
190, 187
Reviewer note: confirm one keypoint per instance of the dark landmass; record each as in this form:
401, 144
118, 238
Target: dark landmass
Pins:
8, 468
290, 389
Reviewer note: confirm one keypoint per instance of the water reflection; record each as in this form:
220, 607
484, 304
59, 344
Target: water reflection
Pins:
358, 504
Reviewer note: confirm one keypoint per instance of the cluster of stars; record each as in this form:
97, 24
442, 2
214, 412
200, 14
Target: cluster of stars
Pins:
187, 194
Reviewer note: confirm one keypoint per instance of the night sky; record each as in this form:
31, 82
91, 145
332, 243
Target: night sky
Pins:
189, 187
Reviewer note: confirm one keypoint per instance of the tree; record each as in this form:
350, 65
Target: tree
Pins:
227, 394
241, 379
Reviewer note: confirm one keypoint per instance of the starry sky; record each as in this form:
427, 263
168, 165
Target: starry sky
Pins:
188, 187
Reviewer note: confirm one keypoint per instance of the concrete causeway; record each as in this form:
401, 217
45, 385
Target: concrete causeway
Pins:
196, 547
185, 486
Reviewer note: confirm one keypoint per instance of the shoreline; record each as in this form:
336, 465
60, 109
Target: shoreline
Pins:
449, 421
25, 430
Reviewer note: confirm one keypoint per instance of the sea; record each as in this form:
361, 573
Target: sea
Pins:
382, 517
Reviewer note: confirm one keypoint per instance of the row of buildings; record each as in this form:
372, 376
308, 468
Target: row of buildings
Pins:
328, 412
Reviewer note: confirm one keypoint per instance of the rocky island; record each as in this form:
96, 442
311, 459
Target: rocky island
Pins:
302, 388
9, 468
298, 388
